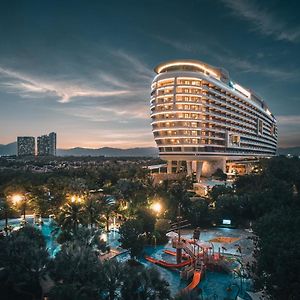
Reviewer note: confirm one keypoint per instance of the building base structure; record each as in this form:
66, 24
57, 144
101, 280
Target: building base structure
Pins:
201, 168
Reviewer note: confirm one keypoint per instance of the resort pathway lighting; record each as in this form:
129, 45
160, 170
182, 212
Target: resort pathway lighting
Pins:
76, 199
156, 207
18, 199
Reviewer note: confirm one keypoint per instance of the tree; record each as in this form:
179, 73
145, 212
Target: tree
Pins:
93, 210
77, 273
107, 207
71, 216
144, 284
178, 196
113, 273
199, 214
228, 207
134, 192
23, 263
131, 237
277, 253
147, 218
6, 212
40, 200
220, 190
219, 174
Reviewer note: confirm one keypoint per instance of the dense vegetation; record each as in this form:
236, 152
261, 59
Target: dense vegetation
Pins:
267, 201
75, 273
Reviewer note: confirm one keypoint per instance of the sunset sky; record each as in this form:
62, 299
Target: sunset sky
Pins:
83, 68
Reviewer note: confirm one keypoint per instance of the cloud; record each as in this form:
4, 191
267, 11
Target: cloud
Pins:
288, 120
262, 20
241, 64
26, 85
134, 65
111, 112
246, 66
91, 78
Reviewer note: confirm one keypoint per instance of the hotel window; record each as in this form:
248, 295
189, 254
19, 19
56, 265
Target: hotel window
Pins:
259, 127
272, 129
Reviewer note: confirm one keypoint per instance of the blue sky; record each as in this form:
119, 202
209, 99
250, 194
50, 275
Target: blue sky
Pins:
84, 68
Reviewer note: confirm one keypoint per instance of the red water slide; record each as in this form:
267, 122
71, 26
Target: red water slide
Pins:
170, 252
195, 281
166, 264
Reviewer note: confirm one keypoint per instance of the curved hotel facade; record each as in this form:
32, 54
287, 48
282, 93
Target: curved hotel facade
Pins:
201, 118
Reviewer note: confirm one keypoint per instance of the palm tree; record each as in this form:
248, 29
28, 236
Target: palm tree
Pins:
112, 278
108, 207
40, 200
24, 264
76, 272
5, 211
93, 210
144, 284
71, 216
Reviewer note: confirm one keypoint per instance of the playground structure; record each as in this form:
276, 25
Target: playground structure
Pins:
193, 258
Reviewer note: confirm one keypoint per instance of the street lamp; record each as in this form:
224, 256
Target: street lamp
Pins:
156, 207
18, 198
76, 199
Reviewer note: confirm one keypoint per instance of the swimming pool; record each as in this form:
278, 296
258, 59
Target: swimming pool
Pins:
214, 286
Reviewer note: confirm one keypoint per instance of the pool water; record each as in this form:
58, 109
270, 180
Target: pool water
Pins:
47, 231
50, 237
214, 286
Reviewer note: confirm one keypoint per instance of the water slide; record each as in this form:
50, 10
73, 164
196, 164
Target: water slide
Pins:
195, 281
173, 253
166, 264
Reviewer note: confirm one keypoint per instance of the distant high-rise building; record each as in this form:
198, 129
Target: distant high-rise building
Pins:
52, 143
26, 146
46, 145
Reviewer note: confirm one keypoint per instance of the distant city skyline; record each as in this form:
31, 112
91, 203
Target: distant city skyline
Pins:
42, 145
84, 70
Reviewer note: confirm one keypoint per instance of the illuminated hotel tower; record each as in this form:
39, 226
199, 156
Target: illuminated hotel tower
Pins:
201, 118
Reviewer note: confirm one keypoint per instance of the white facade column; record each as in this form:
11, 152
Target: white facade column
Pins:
169, 167
189, 168
199, 165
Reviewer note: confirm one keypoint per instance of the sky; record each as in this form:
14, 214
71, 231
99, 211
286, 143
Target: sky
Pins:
83, 68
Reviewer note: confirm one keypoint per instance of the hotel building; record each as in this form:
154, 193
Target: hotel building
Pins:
202, 119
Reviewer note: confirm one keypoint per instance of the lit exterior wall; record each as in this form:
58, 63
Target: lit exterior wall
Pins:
199, 114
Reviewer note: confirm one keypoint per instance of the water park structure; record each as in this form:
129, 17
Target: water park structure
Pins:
193, 256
